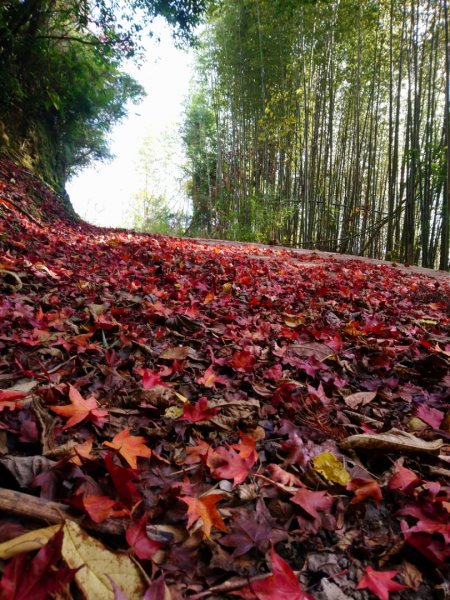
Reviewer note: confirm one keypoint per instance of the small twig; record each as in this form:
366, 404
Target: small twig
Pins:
360, 418
287, 489
229, 586
50, 371
186, 470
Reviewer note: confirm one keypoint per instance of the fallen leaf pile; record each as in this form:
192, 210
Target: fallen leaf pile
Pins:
216, 420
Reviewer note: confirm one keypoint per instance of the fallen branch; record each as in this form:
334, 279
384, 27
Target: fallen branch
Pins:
229, 586
22, 210
42, 509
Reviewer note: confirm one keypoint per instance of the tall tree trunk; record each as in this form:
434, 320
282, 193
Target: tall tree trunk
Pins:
445, 230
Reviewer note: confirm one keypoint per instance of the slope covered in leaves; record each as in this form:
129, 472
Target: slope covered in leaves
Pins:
242, 421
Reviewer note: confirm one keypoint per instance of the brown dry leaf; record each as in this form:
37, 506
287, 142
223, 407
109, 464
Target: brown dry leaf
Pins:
445, 425
293, 320
175, 353
321, 351
393, 440
4, 442
97, 562
25, 385
262, 390
234, 412
248, 492
331, 591
25, 468
411, 575
32, 540
97, 310
181, 397
359, 399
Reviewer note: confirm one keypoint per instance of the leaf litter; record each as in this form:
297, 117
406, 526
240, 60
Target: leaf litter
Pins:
259, 428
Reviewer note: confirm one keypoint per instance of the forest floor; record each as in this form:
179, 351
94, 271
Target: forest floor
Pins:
193, 419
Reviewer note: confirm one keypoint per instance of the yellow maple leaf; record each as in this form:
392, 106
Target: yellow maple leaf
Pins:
331, 468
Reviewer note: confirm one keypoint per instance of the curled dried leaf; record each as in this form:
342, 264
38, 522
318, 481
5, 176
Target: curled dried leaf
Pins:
393, 440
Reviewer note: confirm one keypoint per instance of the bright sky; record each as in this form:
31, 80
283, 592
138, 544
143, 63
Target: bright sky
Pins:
101, 194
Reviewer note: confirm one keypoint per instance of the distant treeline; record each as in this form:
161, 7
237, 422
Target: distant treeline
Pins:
325, 125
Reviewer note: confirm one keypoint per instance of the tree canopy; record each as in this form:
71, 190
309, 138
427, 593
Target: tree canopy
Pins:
60, 67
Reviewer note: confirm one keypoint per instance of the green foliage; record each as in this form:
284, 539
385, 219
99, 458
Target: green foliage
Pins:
152, 214
62, 87
199, 137
152, 208
322, 123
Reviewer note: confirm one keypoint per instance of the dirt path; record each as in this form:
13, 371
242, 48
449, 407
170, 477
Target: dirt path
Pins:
331, 256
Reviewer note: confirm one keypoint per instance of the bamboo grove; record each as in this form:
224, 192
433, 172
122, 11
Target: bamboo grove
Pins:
324, 124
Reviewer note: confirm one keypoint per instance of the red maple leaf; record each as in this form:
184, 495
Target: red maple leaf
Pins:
275, 372
404, 480
140, 544
313, 502
204, 508
380, 583
431, 416
8, 399
198, 411
234, 462
80, 409
130, 447
281, 584
432, 519
226, 463
195, 454
364, 488
151, 379
99, 508
123, 479
37, 578
210, 378
247, 446
243, 360
434, 549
